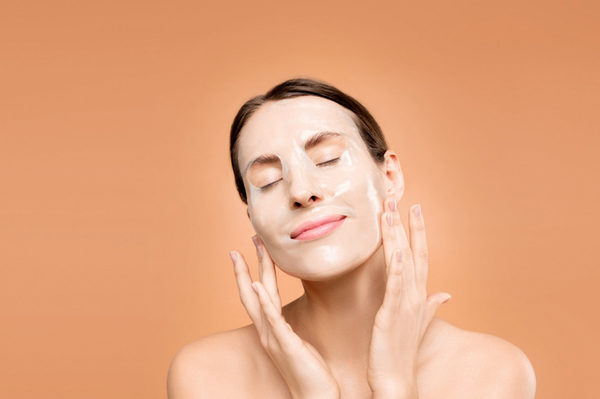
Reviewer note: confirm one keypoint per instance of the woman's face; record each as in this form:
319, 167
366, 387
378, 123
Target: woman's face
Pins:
314, 193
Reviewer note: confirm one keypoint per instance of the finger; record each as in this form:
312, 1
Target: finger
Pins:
418, 244
266, 334
394, 285
407, 255
244, 283
268, 275
388, 235
263, 329
273, 318
434, 301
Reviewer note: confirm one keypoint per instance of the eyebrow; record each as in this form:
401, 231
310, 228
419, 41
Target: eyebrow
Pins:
316, 139
266, 159
313, 141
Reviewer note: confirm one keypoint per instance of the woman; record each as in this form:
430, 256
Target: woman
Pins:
322, 191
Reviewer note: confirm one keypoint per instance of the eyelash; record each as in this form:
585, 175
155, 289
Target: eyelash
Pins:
326, 163
330, 162
268, 186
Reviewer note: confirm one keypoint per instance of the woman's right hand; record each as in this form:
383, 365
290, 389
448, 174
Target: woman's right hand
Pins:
301, 366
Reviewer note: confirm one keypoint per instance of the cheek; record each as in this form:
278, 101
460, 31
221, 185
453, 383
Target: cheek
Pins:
368, 196
259, 222
265, 225
368, 201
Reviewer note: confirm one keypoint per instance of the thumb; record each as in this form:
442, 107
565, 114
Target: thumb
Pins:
434, 301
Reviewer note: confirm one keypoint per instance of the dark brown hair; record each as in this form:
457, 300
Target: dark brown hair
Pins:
367, 126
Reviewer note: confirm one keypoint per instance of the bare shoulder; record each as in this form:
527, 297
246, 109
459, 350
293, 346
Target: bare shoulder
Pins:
483, 365
216, 366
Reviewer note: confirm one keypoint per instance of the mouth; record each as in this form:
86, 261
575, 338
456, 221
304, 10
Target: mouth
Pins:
317, 227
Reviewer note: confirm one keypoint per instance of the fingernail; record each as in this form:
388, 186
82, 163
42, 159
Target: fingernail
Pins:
390, 219
254, 288
447, 299
392, 205
233, 256
257, 245
399, 256
417, 211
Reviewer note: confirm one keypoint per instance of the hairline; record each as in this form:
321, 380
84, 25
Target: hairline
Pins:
365, 123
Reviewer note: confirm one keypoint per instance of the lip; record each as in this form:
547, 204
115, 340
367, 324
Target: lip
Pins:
317, 227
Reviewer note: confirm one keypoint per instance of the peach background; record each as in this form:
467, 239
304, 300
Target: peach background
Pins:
118, 207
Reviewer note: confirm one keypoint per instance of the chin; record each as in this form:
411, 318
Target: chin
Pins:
330, 270
329, 259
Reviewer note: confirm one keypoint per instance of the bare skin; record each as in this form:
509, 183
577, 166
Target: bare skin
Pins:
336, 344
452, 363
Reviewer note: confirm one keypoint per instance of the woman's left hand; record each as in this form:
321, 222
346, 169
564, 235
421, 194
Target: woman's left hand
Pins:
406, 311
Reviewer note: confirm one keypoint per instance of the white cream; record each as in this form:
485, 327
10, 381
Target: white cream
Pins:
305, 188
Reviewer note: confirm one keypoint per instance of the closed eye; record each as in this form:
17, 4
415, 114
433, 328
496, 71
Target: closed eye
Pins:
330, 162
268, 186
326, 163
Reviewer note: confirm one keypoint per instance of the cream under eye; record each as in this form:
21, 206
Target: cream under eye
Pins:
328, 151
264, 173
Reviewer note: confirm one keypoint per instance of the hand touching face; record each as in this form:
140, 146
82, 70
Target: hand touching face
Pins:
314, 192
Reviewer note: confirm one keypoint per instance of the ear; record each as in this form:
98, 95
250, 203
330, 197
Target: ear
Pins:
393, 178
248, 213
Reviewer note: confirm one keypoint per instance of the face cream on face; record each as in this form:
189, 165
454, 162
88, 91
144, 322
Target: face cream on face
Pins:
314, 192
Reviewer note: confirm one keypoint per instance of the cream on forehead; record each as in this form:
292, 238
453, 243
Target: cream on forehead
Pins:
352, 187
309, 110
297, 118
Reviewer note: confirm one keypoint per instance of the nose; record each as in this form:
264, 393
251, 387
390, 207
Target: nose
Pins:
304, 189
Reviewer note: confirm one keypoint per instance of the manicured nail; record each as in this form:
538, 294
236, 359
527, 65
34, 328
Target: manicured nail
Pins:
417, 211
392, 205
399, 256
255, 288
447, 299
233, 256
390, 219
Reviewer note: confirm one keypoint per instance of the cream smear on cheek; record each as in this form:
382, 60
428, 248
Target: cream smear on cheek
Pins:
353, 187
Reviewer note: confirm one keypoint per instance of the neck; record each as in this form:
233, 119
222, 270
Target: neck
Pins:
336, 316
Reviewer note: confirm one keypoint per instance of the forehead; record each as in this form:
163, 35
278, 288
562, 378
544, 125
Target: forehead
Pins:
278, 125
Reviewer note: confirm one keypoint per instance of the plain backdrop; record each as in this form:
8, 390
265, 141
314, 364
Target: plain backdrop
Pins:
118, 205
